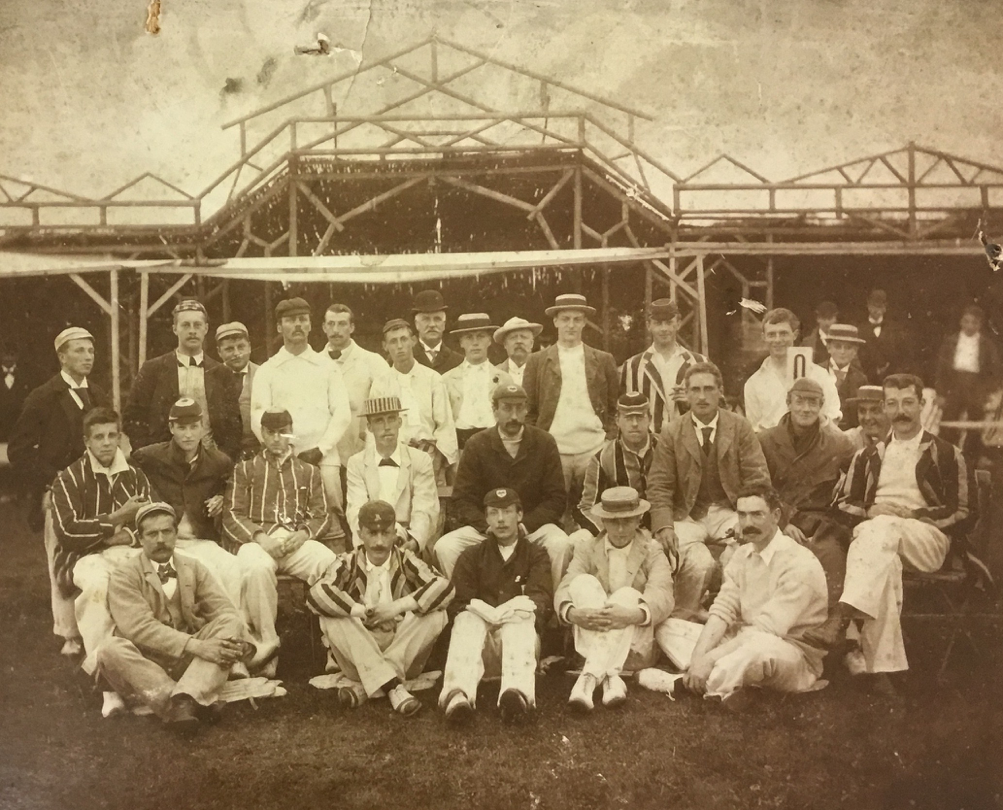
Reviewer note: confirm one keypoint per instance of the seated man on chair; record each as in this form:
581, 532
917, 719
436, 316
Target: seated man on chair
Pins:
905, 495
503, 601
275, 511
617, 591
773, 594
391, 470
511, 455
381, 610
178, 634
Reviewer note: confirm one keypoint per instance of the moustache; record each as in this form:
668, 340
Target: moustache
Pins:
902, 418
751, 532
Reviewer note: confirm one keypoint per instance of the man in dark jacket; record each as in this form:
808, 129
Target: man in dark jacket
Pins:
502, 603
48, 438
888, 349
844, 345
429, 312
186, 372
511, 455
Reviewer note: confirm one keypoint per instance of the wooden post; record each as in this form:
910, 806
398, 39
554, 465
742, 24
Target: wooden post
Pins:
702, 306
577, 235
293, 235
913, 225
605, 308
269, 319
116, 348
226, 299
144, 314
769, 276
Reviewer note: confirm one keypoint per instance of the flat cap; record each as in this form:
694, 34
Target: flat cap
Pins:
377, 516
185, 410
71, 333
276, 418
396, 323
290, 307
502, 497
232, 329
806, 385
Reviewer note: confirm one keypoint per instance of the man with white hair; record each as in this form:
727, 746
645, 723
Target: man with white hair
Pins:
517, 336
47, 438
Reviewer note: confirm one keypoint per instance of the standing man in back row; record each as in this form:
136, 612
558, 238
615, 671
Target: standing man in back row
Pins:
310, 387
572, 391
429, 312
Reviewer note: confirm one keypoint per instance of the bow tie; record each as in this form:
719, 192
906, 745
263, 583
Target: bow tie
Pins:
335, 354
387, 462
166, 572
192, 363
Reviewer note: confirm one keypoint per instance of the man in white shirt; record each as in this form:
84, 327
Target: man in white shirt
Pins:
766, 390
470, 384
233, 344
658, 371
391, 471
310, 386
428, 418
517, 335
905, 494
773, 594
359, 368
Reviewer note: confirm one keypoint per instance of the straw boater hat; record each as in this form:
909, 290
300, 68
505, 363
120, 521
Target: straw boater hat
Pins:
514, 325
570, 301
71, 333
845, 332
867, 393
620, 502
378, 405
473, 322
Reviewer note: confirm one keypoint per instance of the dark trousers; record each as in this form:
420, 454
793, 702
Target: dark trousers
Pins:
966, 398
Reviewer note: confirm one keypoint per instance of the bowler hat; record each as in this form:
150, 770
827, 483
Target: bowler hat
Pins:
428, 301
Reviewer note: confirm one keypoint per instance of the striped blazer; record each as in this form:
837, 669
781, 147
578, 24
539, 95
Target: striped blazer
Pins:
81, 503
945, 481
263, 495
640, 375
345, 584
613, 466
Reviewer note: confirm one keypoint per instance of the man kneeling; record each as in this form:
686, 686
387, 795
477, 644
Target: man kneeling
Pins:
503, 600
617, 591
178, 632
774, 591
381, 611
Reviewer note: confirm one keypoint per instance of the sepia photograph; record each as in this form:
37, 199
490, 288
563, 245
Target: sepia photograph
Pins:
501, 404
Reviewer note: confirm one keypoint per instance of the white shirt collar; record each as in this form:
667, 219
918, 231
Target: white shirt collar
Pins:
118, 464
344, 352
431, 349
70, 382
186, 359
914, 442
611, 549
677, 349
477, 367
574, 351
712, 424
771, 547
394, 456
283, 355
371, 567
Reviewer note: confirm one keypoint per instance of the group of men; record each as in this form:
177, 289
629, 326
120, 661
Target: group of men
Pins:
616, 503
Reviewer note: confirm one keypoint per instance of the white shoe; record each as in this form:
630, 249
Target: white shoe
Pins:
72, 648
658, 680
113, 704
581, 693
854, 661
614, 691
459, 712
404, 702
239, 671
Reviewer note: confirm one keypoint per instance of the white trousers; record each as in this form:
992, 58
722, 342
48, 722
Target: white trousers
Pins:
91, 575
755, 658
448, 548
478, 648
696, 563
310, 562
221, 564
873, 582
64, 622
372, 657
607, 652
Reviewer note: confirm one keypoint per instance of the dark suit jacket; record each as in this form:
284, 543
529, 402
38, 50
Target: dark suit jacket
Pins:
535, 473
677, 467
184, 487
156, 390
12, 401
891, 353
140, 609
820, 352
542, 381
47, 438
989, 365
848, 390
445, 360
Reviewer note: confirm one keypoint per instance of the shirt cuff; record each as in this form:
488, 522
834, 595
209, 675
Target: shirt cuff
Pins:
646, 612
564, 611
358, 611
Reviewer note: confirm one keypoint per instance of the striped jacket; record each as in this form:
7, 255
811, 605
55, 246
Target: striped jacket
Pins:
263, 495
639, 375
613, 466
82, 499
945, 481
345, 585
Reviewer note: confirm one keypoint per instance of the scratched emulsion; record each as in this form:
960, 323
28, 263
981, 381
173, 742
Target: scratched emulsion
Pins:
91, 99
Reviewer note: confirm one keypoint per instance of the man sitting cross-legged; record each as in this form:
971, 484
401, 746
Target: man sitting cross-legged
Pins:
511, 455
773, 593
617, 591
391, 470
275, 511
503, 600
381, 611
905, 494
94, 503
178, 634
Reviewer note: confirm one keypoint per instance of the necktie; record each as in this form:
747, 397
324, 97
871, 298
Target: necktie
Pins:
85, 397
387, 462
335, 354
192, 363
706, 439
166, 572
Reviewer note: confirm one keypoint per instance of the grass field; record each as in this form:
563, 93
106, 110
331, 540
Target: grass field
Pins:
941, 747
